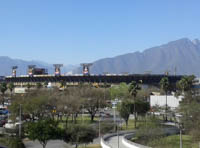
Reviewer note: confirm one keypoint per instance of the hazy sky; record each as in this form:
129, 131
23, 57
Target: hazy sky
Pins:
76, 31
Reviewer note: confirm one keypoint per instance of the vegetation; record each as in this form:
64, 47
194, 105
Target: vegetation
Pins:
43, 131
133, 90
125, 109
79, 134
59, 113
11, 142
164, 83
149, 131
173, 142
189, 107
11, 87
94, 99
91, 146
3, 88
120, 91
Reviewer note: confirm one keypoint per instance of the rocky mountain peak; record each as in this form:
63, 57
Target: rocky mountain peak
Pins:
183, 54
196, 42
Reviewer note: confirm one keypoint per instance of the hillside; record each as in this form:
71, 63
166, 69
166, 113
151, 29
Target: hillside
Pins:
182, 55
6, 63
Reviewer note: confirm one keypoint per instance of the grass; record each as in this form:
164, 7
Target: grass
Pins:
173, 142
131, 124
92, 146
11, 142
79, 120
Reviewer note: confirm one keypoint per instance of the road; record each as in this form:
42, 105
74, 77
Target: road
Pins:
113, 141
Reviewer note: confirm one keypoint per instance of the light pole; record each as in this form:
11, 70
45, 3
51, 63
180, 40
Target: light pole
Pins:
82, 112
181, 141
100, 126
20, 120
99, 121
118, 134
114, 103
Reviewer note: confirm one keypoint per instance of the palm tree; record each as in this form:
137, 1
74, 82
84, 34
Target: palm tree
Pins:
63, 84
45, 84
185, 83
164, 84
28, 86
184, 87
38, 85
133, 90
11, 86
3, 88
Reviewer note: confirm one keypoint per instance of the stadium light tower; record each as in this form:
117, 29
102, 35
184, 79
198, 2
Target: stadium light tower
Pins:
14, 71
31, 70
57, 69
86, 68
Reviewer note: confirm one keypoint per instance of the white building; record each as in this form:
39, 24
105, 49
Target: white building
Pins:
160, 100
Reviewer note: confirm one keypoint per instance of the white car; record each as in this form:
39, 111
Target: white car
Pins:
12, 125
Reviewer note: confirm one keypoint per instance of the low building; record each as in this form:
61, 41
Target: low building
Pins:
160, 100
19, 90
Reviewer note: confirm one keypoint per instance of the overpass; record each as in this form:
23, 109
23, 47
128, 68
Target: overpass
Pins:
112, 79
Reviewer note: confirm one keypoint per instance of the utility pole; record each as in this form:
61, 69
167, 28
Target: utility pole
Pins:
99, 122
114, 117
20, 120
118, 134
181, 145
82, 112
181, 141
175, 69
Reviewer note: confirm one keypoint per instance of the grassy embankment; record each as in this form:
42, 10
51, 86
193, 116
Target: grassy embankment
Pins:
174, 142
92, 146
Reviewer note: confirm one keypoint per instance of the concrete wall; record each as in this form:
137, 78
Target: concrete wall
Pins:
130, 144
104, 144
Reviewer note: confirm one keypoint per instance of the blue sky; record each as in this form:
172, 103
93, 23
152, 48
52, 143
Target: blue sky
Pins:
76, 31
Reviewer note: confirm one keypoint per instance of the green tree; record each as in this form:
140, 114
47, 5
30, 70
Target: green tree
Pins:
185, 84
164, 84
125, 109
190, 116
133, 90
45, 84
11, 87
148, 132
28, 86
119, 91
3, 88
43, 131
33, 103
63, 84
93, 100
38, 85
80, 134
142, 107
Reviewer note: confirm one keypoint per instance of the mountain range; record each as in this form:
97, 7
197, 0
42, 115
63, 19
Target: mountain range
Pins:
177, 57
6, 63
181, 57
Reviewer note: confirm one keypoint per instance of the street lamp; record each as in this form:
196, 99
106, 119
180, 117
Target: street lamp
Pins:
114, 103
20, 120
180, 128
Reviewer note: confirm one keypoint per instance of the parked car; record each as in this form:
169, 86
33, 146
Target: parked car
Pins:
12, 125
2, 122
